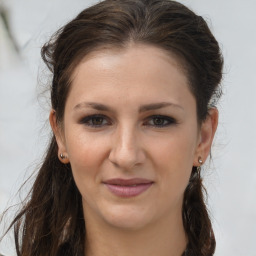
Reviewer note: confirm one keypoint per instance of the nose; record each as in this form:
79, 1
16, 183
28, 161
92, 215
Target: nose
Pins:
126, 151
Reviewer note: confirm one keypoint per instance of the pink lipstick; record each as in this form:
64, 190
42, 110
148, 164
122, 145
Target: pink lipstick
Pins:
128, 188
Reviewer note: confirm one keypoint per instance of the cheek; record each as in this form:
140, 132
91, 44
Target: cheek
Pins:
174, 161
177, 150
86, 153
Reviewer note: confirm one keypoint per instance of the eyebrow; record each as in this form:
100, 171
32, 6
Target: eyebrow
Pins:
94, 105
143, 108
159, 105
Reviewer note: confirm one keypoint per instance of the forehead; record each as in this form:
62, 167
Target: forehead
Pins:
138, 72
131, 53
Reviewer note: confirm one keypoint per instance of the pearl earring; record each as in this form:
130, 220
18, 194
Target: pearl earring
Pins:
62, 156
200, 161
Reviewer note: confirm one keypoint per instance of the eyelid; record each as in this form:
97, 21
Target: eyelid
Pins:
170, 120
88, 118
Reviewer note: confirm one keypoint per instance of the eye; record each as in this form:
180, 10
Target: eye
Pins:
95, 121
160, 121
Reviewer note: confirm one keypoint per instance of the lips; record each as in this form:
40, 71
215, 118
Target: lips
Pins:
128, 188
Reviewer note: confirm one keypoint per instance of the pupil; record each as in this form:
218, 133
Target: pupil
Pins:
97, 120
158, 121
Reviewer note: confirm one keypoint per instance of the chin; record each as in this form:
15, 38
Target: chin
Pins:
127, 217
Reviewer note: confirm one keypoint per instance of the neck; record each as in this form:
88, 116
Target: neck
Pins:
164, 238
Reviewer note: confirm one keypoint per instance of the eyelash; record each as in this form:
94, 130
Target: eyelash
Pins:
166, 121
88, 121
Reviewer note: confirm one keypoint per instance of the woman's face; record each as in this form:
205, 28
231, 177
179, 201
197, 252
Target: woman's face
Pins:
131, 135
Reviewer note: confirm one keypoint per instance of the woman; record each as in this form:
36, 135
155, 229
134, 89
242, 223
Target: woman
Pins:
133, 119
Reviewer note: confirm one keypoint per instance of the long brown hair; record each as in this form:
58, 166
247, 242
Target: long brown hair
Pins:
51, 221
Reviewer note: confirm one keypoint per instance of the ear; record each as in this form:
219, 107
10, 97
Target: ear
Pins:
206, 135
62, 152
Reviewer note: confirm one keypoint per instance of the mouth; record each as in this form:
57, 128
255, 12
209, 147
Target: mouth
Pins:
128, 188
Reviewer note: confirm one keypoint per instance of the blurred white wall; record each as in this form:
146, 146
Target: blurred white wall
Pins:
231, 180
